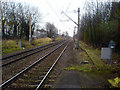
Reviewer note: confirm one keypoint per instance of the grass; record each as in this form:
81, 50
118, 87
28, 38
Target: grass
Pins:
58, 39
98, 67
11, 45
94, 54
41, 41
26, 44
82, 56
84, 68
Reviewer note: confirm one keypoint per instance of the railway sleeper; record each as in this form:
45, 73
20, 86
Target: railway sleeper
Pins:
52, 76
47, 86
30, 78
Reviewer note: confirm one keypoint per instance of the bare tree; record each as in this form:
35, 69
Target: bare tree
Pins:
15, 19
51, 30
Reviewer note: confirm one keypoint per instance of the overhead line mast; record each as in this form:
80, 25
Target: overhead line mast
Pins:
78, 24
78, 32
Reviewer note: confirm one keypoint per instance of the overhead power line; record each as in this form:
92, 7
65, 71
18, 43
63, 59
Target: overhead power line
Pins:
52, 9
69, 18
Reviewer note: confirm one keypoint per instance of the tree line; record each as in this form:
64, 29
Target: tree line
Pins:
15, 19
101, 23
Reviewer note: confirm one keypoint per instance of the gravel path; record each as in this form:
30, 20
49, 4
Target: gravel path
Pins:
76, 79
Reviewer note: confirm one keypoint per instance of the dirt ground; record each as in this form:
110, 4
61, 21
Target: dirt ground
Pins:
76, 79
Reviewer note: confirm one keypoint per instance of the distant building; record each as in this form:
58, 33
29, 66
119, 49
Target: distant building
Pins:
40, 33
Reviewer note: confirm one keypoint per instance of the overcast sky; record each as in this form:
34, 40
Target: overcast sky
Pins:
51, 12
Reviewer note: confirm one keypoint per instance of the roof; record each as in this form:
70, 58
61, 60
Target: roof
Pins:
41, 30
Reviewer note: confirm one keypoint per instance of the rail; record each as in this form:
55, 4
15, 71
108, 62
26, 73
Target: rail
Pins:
29, 50
24, 70
46, 75
50, 45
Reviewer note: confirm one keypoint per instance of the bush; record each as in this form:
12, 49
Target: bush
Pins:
26, 44
9, 46
115, 82
58, 39
41, 41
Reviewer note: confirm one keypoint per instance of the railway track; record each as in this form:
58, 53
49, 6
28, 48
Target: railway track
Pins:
10, 70
35, 74
16, 57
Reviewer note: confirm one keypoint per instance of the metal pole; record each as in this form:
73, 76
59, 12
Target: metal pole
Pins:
30, 29
74, 34
111, 58
78, 28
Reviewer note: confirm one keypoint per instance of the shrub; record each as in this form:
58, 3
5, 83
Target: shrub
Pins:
42, 41
26, 44
9, 46
58, 39
115, 82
